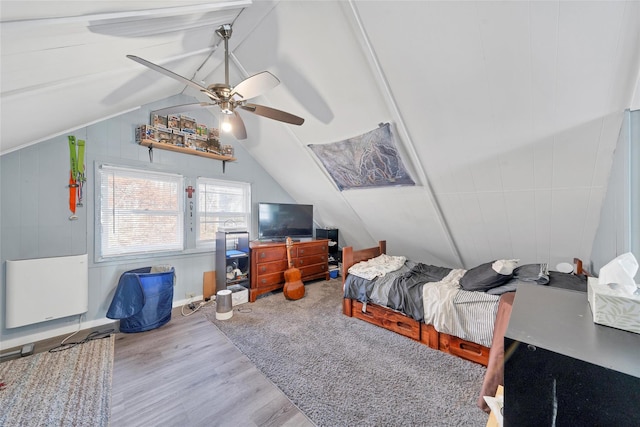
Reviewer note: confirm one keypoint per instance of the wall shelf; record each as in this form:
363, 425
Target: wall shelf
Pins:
155, 144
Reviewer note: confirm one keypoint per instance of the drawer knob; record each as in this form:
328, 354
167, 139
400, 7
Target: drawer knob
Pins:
263, 254
301, 251
263, 269
263, 281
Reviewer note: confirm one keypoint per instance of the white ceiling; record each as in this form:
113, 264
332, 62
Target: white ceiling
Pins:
507, 113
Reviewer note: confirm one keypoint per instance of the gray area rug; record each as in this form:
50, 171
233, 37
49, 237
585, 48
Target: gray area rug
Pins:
341, 371
66, 388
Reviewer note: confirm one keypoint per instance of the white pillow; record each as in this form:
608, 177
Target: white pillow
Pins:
505, 266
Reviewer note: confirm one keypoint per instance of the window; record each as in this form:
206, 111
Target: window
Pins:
140, 212
221, 204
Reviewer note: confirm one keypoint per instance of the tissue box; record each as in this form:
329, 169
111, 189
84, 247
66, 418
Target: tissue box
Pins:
612, 309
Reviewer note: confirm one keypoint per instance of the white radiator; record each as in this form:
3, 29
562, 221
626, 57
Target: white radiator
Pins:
45, 289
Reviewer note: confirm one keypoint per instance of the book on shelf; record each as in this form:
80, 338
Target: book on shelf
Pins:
233, 253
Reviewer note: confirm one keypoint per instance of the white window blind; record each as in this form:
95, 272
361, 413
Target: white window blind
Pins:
221, 204
140, 211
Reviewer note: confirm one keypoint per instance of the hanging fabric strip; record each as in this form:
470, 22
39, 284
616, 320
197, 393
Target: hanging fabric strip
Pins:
72, 176
81, 177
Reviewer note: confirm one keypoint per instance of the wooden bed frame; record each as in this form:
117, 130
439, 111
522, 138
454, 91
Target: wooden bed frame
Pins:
404, 325
400, 323
397, 322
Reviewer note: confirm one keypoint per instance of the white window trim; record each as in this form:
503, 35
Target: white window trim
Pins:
180, 211
245, 186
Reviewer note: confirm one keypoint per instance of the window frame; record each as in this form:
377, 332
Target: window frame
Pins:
179, 212
245, 187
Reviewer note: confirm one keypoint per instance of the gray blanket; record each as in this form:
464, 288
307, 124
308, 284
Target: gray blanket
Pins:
400, 290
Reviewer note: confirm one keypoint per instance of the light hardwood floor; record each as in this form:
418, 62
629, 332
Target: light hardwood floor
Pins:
187, 373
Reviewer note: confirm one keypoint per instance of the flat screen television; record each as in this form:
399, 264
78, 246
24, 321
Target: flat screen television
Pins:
277, 221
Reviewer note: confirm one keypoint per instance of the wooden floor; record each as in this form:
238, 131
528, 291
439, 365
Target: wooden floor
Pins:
187, 373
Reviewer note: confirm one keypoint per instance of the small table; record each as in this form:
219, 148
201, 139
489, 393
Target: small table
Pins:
564, 369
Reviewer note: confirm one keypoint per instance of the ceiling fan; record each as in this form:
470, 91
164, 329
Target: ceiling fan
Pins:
226, 97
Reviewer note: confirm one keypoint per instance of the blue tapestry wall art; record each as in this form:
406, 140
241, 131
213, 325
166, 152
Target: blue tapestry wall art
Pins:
369, 160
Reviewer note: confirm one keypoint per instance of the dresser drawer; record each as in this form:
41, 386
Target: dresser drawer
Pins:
313, 270
270, 254
388, 319
464, 349
310, 260
264, 280
306, 250
271, 267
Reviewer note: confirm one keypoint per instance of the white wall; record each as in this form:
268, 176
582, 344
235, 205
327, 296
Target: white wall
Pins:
34, 212
635, 185
618, 230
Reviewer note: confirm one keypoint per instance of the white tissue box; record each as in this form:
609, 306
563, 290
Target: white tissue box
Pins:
613, 309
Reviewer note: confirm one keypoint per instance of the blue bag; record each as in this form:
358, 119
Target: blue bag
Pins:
143, 300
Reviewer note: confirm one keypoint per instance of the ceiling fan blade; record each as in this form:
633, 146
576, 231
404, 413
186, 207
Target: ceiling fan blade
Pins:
183, 107
237, 126
272, 113
255, 85
173, 75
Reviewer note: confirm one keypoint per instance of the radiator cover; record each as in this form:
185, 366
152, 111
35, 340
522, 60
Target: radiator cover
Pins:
44, 289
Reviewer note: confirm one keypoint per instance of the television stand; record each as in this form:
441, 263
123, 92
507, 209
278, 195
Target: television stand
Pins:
269, 262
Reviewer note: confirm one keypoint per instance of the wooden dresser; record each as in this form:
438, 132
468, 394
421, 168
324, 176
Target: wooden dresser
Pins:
269, 262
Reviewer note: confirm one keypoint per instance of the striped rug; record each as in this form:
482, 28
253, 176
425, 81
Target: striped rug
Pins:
63, 388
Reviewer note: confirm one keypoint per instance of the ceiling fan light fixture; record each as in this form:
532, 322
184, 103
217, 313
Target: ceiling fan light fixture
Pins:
228, 98
226, 107
225, 125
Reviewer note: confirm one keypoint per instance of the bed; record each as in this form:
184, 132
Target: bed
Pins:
440, 307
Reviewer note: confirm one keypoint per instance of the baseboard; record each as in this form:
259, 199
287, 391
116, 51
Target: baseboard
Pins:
71, 328
51, 333
182, 302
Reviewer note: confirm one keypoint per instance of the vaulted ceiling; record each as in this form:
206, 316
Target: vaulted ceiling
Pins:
506, 113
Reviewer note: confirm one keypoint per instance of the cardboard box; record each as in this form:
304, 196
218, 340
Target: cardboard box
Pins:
227, 150
158, 120
187, 124
163, 135
146, 132
173, 122
612, 309
202, 130
178, 138
208, 285
239, 294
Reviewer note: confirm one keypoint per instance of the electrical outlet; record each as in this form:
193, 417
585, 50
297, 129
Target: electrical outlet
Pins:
191, 294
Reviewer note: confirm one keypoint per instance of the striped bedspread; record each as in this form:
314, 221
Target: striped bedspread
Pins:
454, 311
